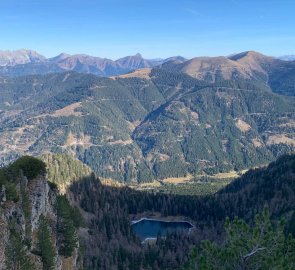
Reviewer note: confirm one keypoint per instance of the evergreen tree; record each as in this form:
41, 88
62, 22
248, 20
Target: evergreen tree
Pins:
30, 166
260, 247
66, 228
44, 244
70, 237
16, 255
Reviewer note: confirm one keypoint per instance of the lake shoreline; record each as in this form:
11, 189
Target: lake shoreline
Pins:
148, 229
158, 216
161, 220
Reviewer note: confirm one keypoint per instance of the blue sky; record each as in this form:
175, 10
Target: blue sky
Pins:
114, 28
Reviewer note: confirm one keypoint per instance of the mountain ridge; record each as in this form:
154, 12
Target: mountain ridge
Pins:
26, 62
244, 63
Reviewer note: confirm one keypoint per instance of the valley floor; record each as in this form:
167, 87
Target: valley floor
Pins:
199, 185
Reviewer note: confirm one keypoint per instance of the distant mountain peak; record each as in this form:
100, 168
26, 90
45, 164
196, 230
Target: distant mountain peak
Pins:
21, 56
287, 57
60, 57
136, 56
64, 55
252, 54
134, 62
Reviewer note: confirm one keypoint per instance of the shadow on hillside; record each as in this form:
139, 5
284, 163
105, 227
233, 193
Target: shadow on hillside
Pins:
107, 212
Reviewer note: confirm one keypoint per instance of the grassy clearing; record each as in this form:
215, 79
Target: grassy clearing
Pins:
195, 188
177, 180
199, 185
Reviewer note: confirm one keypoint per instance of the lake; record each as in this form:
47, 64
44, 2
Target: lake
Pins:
151, 228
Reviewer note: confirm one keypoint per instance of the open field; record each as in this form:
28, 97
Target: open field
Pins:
198, 185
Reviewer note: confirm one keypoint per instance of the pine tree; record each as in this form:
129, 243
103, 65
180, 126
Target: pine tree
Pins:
16, 255
260, 247
70, 237
44, 244
66, 229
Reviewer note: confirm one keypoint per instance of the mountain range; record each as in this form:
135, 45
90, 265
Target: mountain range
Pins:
246, 65
179, 119
27, 62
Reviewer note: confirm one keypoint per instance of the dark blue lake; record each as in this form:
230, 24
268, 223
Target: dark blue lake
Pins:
151, 228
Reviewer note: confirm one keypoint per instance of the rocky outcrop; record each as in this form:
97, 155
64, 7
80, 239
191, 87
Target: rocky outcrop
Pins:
39, 199
36, 198
4, 239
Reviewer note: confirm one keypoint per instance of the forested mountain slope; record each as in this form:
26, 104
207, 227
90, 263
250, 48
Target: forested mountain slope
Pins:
37, 221
106, 210
166, 124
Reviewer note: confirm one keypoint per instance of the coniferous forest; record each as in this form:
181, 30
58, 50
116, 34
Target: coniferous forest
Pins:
228, 219
147, 135
240, 227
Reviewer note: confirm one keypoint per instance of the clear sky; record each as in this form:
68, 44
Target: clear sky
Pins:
155, 28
